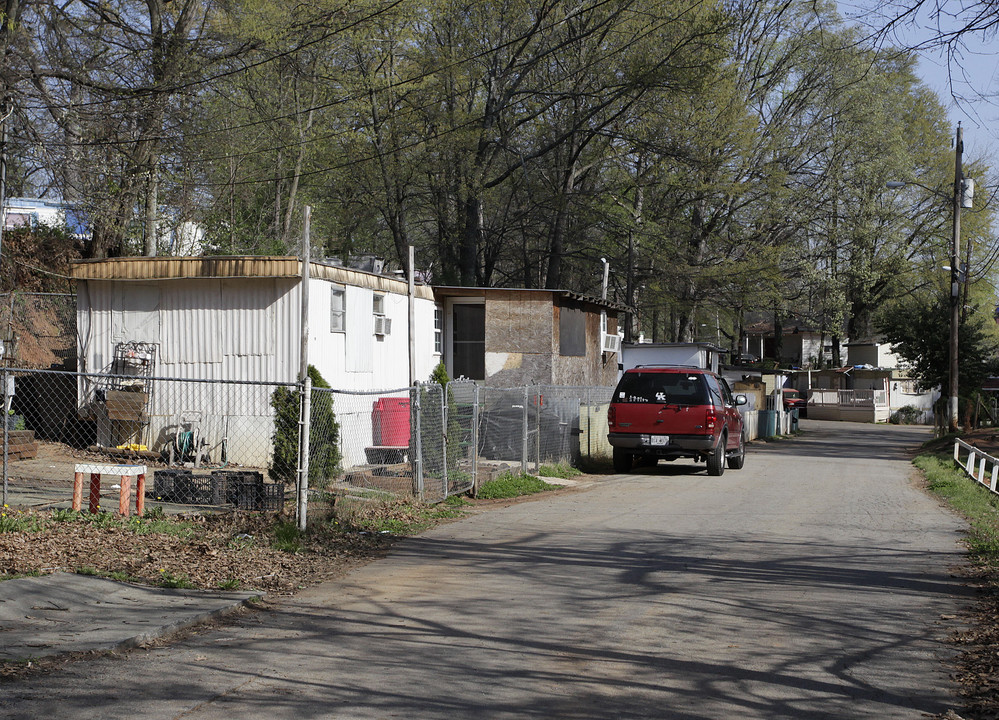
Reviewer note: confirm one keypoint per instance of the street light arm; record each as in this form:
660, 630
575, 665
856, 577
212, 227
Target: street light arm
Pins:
898, 184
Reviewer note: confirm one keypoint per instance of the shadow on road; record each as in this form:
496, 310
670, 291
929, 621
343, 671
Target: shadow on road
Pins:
823, 439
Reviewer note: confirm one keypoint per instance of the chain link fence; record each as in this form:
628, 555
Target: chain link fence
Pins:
209, 443
38, 329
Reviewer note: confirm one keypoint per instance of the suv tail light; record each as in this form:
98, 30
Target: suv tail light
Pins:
710, 419
612, 415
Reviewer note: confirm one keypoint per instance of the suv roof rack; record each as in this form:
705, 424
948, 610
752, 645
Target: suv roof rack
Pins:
683, 367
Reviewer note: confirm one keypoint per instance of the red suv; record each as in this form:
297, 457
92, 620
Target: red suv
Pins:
670, 412
793, 399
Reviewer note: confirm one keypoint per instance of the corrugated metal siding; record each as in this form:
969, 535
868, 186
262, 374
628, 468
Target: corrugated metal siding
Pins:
193, 323
190, 316
95, 342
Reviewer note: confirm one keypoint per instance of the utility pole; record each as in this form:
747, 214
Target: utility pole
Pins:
955, 281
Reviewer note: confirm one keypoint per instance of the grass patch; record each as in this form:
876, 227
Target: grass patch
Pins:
511, 485
151, 523
403, 517
158, 525
975, 502
124, 577
18, 521
559, 470
168, 580
287, 538
15, 576
230, 584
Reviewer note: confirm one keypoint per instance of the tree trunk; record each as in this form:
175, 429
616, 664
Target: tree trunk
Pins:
471, 239
152, 210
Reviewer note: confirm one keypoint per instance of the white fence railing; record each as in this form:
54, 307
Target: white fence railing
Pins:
983, 468
848, 398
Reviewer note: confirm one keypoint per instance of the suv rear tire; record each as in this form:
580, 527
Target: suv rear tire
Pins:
716, 461
622, 461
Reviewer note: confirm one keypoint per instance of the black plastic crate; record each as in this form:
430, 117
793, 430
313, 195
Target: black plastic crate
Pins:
272, 497
165, 484
228, 484
249, 494
191, 489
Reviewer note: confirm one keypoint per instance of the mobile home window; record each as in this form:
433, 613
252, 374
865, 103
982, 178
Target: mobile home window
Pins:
337, 307
378, 304
438, 330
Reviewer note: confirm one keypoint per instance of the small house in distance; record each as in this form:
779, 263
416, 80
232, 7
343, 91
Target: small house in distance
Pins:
504, 337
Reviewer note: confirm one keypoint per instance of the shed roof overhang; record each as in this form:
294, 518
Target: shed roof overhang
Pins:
451, 291
138, 269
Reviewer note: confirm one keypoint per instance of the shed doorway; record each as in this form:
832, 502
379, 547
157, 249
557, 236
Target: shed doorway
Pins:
468, 341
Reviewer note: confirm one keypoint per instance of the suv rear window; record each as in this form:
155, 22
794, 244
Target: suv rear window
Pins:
676, 388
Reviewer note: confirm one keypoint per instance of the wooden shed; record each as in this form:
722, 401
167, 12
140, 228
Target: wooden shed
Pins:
506, 337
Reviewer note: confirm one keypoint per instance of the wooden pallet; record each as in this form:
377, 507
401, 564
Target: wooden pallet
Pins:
21, 445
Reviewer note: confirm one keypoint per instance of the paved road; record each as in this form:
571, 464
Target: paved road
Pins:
808, 585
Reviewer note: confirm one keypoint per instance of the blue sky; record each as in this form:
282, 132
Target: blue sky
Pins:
967, 83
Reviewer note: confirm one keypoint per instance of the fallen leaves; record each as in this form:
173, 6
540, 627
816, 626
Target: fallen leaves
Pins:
225, 551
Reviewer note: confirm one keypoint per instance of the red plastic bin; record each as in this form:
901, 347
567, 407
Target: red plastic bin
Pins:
390, 422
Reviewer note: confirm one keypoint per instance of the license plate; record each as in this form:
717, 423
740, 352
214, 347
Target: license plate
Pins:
659, 440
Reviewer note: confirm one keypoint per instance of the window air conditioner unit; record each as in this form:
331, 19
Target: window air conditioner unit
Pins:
611, 343
383, 325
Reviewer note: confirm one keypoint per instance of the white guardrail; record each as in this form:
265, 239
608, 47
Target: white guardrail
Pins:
978, 471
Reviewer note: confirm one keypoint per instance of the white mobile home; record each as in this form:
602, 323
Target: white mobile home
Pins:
702, 354
236, 319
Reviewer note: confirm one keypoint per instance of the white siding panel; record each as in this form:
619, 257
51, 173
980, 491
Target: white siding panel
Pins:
136, 314
191, 319
287, 331
360, 325
249, 316
358, 359
95, 349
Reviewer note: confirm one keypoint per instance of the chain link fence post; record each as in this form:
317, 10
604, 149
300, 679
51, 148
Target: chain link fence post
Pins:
538, 399
475, 440
417, 441
445, 437
526, 430
303, 465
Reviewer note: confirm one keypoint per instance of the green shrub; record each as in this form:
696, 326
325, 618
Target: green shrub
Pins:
908, 415
431, 421
324, 434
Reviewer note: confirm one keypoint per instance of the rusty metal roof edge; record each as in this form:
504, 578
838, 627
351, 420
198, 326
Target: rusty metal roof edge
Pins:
234, 266
452, 290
